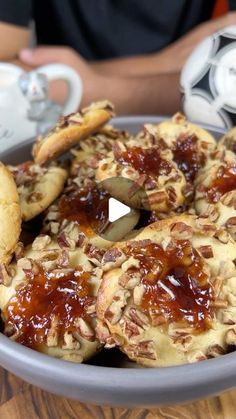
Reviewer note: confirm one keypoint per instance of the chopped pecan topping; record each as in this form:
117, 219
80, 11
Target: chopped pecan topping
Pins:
212, 213
131, 329
229, 317
94, 253
214, 351
230, 337
52, 337
203, 225
172, 195
231, 224
64, 240
206, 251
129, 280
19, 251
102, 332
181, 231
114, 311
111, 255
195, 356
158, 197
143, 349
138, 294
84, 329
63, 259
5, 277
41, 242
70, 341
29, 266
138, 317
35, 197
222, 236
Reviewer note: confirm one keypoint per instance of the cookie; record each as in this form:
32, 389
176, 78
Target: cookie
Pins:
10, 215
81, 213
37, 186
153, 181
70, 130
48, 301
168, 296
190, 144
215, 195
228, 140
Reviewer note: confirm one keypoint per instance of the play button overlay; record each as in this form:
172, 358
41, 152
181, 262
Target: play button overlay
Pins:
116, 210
108, 212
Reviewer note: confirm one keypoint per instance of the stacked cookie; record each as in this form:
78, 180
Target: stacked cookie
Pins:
159, 283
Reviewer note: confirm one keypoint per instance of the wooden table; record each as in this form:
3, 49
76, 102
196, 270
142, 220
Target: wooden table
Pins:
19, 400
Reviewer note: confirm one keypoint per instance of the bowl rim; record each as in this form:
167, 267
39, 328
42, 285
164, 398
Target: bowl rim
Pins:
143, 381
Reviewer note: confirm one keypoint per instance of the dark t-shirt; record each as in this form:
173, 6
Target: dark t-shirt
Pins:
100, 29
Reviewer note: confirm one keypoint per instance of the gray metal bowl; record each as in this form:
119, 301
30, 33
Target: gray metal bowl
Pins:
111, 385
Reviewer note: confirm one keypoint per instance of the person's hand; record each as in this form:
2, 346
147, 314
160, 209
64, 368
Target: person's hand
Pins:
173, 57
92, 86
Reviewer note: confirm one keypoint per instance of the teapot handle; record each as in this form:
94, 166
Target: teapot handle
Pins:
64, 72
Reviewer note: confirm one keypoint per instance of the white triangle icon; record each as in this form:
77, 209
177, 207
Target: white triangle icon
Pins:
116, 209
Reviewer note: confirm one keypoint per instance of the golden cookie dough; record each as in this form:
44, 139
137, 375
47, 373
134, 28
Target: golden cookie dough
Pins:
168, 297
70, 130
10, 215
153, 181
215, 194
229, 140
48, 304
37, 186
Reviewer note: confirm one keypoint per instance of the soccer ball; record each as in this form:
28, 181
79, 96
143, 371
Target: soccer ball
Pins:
208, 80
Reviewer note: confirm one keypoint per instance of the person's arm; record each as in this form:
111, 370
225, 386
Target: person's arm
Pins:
13, 39
171, 58
140, 94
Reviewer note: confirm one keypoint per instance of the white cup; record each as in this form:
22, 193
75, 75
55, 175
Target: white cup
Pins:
15, 124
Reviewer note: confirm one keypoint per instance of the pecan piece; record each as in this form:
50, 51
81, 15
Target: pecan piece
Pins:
129, 280
114, 311
222, 236
138, 294
214, 351
230, 337
19, 251
5, 277
112, 258
143, 349
231, 225
157, 198
102, 332
41, 242
52, 336
181, 231
84, 329
206, 251
71, 341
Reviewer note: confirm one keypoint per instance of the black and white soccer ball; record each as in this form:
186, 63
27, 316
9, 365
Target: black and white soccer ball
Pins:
208, 80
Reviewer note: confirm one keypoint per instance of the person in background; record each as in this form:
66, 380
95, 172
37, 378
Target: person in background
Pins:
129, 51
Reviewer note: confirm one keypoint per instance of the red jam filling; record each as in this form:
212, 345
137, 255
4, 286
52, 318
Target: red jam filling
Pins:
225, 181
145, 161
30, 312
175, 283
187, 157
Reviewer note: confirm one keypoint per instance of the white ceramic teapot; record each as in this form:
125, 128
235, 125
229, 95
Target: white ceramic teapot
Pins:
19, 100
